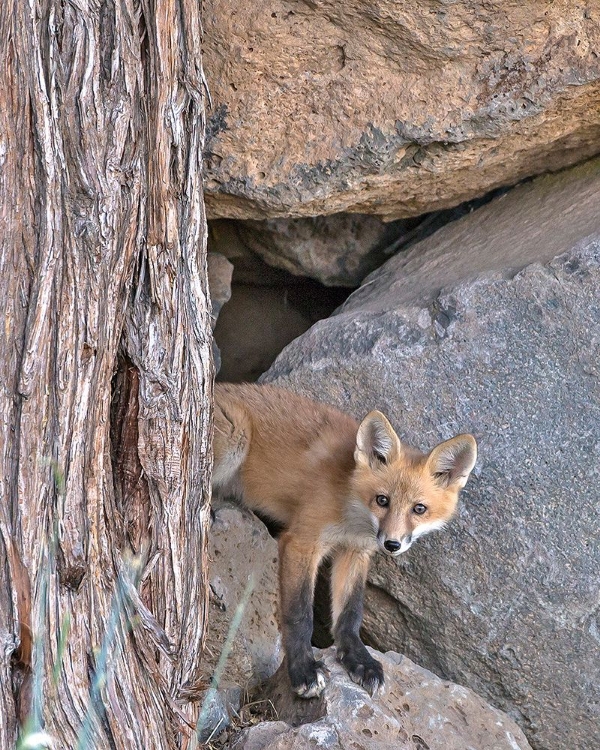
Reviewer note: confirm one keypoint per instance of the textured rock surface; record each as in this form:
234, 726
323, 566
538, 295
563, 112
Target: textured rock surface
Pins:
533, 222
239, 545
392, 107
334, 250
224, 238
416, 711
219, 706
507, 600
337, 250
220, 271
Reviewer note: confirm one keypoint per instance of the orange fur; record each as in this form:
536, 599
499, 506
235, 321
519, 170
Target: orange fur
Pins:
322, 476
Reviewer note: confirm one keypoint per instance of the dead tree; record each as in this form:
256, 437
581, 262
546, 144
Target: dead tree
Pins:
106, 370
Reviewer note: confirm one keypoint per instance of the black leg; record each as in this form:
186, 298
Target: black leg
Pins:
348, 577
298, 564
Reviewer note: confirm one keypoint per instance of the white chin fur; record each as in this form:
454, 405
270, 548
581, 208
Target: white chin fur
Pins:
385, 551
425, 528
418, 531
405, 546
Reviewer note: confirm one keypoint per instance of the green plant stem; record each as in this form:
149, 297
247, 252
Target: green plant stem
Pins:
219, 669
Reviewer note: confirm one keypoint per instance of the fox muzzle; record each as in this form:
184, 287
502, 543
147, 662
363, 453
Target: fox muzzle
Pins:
395, 547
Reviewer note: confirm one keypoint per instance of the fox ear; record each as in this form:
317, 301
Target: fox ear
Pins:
376, 441
451, 462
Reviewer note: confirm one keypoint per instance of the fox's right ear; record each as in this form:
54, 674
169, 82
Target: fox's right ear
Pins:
376, 441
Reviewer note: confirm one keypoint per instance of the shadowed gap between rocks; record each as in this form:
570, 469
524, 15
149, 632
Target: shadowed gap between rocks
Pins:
272, 280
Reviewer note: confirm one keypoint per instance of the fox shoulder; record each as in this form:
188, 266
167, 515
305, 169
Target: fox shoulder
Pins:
232, 434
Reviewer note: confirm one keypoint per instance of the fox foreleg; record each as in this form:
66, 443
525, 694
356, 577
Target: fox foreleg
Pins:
298, 565
348, 577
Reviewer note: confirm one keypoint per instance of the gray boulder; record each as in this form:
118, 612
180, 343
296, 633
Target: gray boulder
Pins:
506, 601
220, 271
336, 250
240, 546
416, 711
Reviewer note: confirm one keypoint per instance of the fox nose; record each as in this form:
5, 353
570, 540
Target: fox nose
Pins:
392, 545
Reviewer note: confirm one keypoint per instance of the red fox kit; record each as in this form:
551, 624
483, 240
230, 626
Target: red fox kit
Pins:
339, 489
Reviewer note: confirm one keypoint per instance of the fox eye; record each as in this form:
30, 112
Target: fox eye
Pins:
382, 500
419, 509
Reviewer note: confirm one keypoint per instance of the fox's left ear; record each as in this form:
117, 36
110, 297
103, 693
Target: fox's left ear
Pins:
452, 461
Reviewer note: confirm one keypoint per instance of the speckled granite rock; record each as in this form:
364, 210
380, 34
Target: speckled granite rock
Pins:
239, 545
220, 271
389, 107
336, 250
416, 711
506, 601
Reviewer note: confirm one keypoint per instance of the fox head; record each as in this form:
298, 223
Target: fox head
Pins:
408, 493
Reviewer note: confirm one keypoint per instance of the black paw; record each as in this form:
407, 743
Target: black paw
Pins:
361, 666
307, 678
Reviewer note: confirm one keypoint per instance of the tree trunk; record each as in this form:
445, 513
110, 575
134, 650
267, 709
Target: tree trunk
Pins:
106, 370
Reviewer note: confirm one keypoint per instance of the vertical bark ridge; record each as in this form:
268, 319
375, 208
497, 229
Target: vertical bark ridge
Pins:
103, 251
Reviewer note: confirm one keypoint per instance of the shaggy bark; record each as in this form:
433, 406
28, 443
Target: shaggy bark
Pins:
105, 367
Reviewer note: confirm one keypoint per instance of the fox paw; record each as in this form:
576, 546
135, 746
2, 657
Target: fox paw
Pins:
363, 669
308, 680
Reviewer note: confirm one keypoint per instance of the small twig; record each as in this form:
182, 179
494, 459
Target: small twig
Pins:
214, 731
